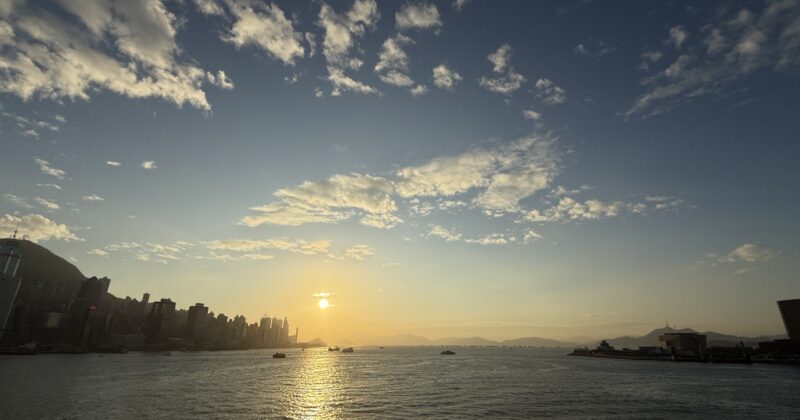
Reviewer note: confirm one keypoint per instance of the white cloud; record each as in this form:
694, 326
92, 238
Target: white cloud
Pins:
45, 168
749, 253
420, 15
392, 66
17, 201
492, 239
49, 205
60, 118
445, 78
731, 47
570, 209
97, 252
266, 27
126, 47
504, 80
549, 93
53, 186
35, 227
329, 201
149, 164
532, 115
220, 79
92, 197
444, 233
419, 90
284, 244
505, 174
340, 35
113, 163
209, 7
358, 252
531, 236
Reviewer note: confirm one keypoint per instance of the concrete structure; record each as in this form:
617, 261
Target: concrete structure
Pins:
683, 342
790, 313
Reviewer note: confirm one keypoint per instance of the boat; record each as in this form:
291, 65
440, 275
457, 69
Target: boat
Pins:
448, 352
333, 348
279, 356
347, 350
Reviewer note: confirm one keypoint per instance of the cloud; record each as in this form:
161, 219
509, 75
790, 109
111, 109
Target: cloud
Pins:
505, 174
266, 27
35, 227
677, 36
569, 209
731, 47
340, 35
284, 244
92, 197
444, 233
392, 66
593, 49
358, 252
492, 239
113, 163
97, 252
419, 15
532, 115
53, 186
504, 80
60, 118
419, 90
445, 78
49, 205
749, 253
126, 47
17, 201
149, 164
458, 5
549, 93
531, 236
329, 201
209, 7
45, 168
220, 80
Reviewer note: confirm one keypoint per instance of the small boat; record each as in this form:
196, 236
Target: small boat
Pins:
448, 352
279, 356
347, 350
333, 348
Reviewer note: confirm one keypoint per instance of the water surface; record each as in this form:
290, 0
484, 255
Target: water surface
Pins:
392, 382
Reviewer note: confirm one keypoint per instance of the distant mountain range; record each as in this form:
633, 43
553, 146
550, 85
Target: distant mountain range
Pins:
649, 339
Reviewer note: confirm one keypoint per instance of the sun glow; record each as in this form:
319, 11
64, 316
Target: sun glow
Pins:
323, 303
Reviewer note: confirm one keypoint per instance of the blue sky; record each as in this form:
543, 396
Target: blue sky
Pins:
553, 168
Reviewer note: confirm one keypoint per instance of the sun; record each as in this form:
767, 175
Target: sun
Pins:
323, 303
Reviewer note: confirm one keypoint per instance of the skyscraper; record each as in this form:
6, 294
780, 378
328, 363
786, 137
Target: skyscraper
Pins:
196, 322
790, 312
10, 259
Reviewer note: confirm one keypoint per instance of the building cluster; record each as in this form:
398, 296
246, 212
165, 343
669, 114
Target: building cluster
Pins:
80, 315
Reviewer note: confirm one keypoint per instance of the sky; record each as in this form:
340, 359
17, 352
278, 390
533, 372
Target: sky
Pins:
502, 169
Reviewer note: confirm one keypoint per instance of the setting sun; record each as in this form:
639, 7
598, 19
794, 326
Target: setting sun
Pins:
324, 304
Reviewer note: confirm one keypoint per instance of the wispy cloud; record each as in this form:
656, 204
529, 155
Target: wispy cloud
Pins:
45, 168
149, 164
419, 15
504, 79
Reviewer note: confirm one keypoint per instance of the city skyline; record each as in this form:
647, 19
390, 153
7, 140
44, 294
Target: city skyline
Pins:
559, 176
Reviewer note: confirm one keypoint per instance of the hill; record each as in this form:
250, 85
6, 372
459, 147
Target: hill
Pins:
39, 265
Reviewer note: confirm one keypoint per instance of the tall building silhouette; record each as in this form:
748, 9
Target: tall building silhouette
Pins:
790, 313
196, 322
10, 259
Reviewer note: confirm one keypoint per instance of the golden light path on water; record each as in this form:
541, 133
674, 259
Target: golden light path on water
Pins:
318, 390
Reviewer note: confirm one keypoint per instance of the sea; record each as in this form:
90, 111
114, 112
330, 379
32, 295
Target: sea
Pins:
395, 382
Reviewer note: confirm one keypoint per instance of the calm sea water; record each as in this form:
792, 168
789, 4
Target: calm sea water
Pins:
393, 382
